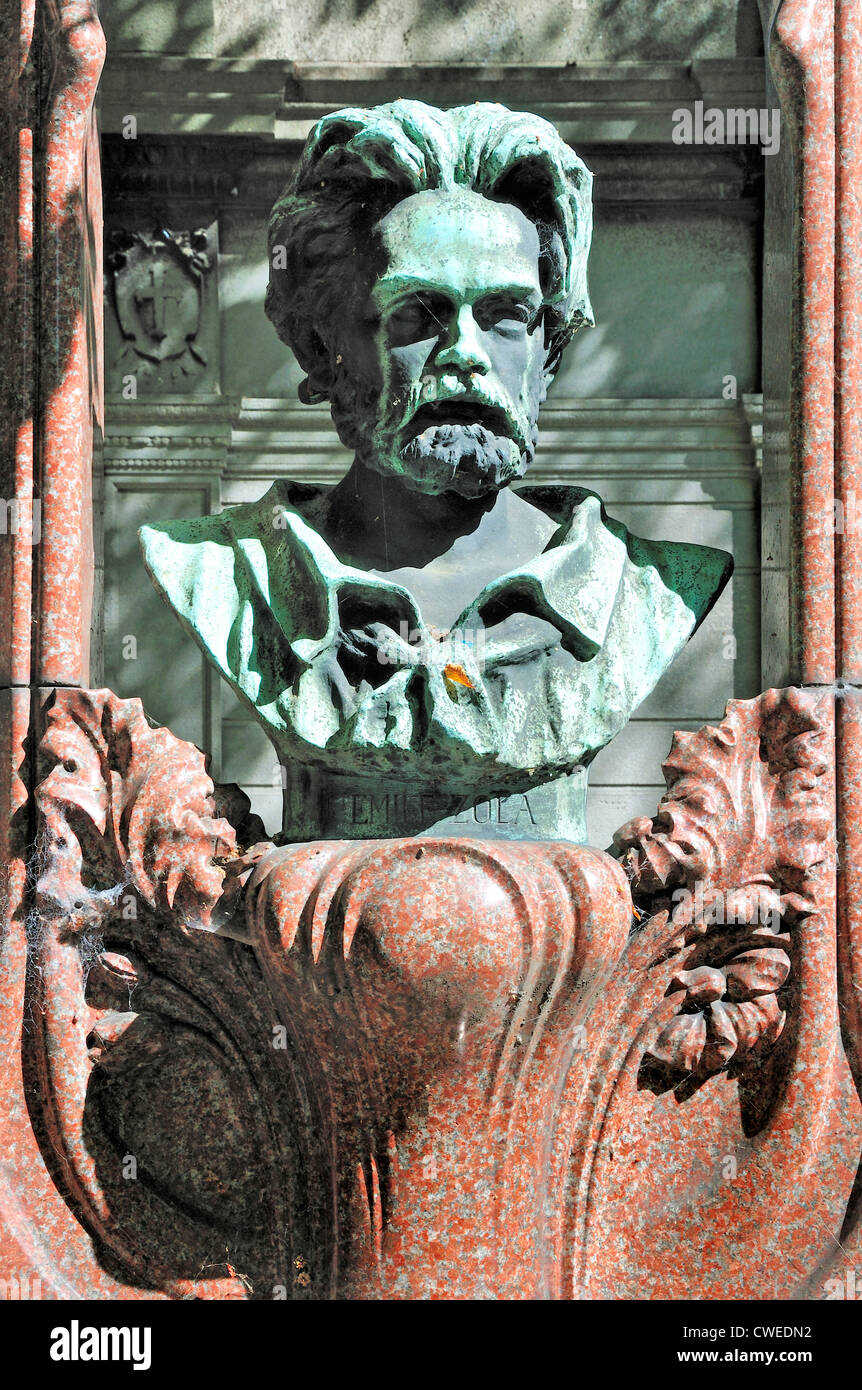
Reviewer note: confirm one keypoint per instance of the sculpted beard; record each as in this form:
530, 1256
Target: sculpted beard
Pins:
467, 459
480, 442
466, 455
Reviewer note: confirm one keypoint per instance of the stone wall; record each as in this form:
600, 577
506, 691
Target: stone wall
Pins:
437, 31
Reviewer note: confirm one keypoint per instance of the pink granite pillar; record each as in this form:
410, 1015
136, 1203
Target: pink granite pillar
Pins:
70, 263
49, 315
16, 477
802, 60
848, 539
816, 56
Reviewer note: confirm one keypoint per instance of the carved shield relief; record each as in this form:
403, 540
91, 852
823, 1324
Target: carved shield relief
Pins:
162, 289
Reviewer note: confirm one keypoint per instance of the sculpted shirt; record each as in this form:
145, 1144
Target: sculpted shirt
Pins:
537, 674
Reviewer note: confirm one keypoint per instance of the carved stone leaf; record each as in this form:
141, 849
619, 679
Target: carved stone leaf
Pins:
702, 985
771, 1013
745, 801
748, 1021
756, 972
681, 1042
721, 1037
125, 806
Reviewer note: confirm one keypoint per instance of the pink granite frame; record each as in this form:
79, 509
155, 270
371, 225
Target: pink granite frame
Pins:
815, 55
51, 322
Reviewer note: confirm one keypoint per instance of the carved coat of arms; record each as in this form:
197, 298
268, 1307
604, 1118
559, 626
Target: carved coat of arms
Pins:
158, 293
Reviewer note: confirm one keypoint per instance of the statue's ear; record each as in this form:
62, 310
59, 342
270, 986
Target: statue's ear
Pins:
308, 395
318, 384
553, 353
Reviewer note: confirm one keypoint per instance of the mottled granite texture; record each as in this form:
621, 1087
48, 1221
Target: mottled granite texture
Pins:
413, 974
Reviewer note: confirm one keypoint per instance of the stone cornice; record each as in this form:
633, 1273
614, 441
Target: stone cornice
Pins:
590, 102
200, 176
256, 438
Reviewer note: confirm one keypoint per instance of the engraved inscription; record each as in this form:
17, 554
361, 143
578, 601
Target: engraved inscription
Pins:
400, 808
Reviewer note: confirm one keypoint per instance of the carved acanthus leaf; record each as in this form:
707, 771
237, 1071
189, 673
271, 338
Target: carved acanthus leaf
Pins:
126, 808
746, 802
734, 853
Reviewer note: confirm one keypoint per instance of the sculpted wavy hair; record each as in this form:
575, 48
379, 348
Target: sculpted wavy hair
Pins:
357, 164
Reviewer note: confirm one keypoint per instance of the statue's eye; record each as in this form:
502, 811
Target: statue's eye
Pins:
505, 315
418, 318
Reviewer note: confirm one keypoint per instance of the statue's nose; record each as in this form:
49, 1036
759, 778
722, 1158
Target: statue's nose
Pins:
464, 348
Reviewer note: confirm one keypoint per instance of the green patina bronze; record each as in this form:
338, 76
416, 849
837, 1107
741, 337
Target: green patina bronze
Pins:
428, 647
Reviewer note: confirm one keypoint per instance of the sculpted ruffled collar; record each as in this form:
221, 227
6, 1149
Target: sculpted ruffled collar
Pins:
538, 673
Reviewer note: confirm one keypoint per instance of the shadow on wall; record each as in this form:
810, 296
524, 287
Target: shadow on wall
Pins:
659, 30
676, 305
446, 30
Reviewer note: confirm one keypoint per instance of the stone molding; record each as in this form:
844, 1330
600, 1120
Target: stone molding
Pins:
252, 438
209, 171
282, 101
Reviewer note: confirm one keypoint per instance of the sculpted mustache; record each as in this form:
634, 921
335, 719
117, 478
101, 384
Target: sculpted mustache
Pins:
460, 409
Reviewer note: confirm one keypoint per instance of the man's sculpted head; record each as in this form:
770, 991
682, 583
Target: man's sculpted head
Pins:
428, 268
